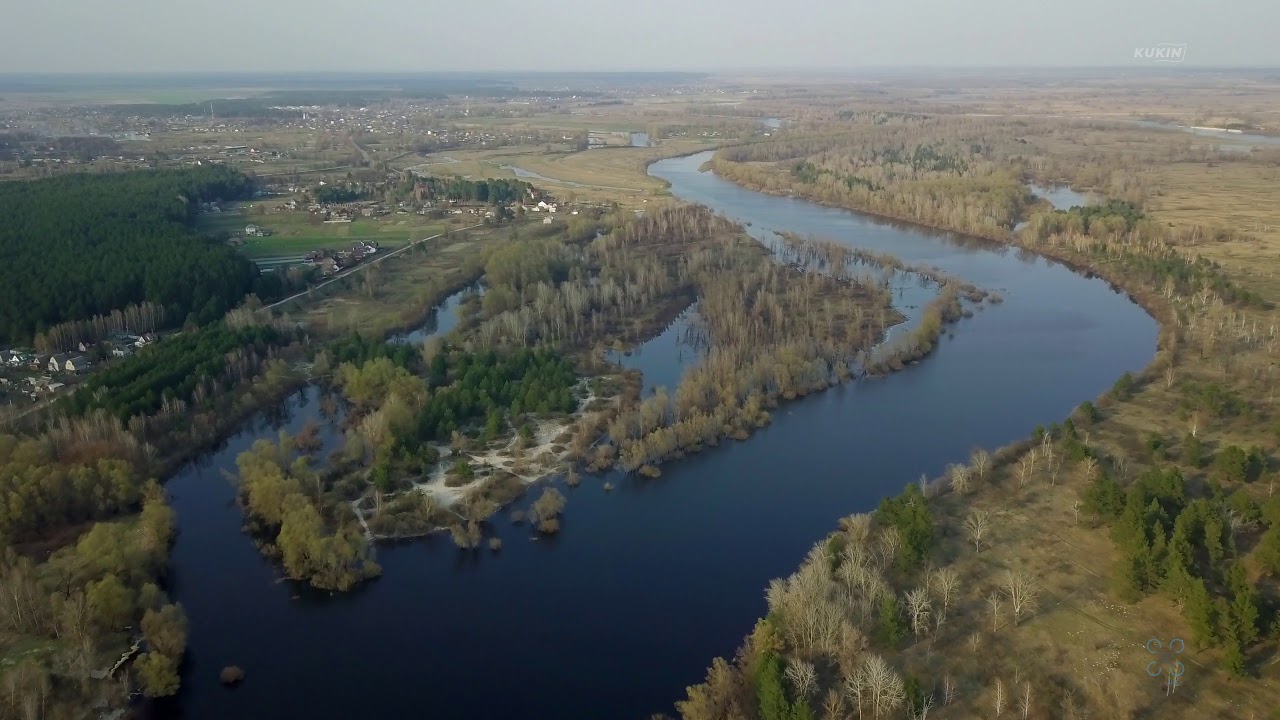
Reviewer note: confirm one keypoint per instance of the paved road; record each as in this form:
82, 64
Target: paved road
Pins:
363, 265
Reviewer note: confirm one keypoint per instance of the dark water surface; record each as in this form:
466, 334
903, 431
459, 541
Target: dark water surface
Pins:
627, 606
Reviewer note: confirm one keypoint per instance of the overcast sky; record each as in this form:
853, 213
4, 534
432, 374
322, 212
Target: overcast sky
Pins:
425, 35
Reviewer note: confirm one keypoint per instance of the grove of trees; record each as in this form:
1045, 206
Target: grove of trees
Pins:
88, 244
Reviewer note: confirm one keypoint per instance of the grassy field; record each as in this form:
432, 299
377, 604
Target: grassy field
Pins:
399, 292
297, 233
603, 175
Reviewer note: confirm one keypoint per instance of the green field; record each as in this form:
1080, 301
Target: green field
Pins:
297, 233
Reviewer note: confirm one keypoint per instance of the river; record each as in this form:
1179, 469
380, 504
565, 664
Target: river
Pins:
615, 616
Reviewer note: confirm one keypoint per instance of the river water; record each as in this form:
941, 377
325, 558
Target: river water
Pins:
615, 616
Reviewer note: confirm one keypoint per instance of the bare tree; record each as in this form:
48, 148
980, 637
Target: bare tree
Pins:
885, 688
926, 704
855, 686
1025, 704
1088, 469
993, 600
959, 475
918, 608
976, 525
945, 582
887, 545
998, 699
833, 705
923, 483
975, 639
857, 527
1026, 468
948, 690
981, 463
1023, 592
810, 616
1075, 509
802, 676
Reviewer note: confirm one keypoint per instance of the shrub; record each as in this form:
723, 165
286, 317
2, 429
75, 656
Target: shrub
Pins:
231, 675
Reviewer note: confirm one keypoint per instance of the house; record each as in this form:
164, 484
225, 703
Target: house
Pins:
11, 358
85, 346
77, 364
546, 220
56, 362
145, 339
121, 351
52, 388
251, 230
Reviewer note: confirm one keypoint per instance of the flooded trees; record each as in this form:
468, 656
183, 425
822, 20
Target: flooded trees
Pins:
274, 490
545, 511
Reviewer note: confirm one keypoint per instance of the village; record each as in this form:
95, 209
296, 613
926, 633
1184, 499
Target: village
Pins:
334, 225
27, 375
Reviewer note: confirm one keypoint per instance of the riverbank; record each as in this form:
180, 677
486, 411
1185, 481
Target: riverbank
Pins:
1023, 498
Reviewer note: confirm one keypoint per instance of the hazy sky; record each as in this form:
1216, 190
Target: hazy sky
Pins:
181, 35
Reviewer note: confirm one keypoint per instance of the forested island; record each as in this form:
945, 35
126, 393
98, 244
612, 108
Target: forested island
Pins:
444, 435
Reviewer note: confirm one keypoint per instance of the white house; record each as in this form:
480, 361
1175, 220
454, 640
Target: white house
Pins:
56, 362
77, 364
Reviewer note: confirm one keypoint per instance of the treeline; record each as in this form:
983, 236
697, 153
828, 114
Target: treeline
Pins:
859, 597
333, 194
1120, 234
89, 244
944, 188
493, 191
143, 318
187, 367
224, 108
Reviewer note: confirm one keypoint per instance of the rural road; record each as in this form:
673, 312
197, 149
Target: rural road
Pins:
363, 265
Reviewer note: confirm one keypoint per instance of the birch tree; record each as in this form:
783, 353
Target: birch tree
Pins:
918, 607
981, 463
959, 475
1026, 468
802, 677
885, 688
945, 582
1023, 592
976, 525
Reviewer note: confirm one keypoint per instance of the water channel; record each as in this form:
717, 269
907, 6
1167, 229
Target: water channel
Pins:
622, 610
